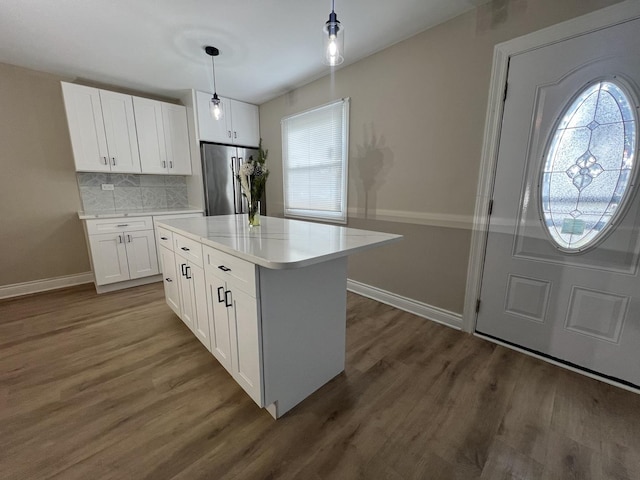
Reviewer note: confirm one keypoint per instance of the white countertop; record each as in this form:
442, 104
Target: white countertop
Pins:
137, 213
278, 243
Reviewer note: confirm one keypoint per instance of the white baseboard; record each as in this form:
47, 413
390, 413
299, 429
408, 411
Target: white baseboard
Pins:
439, 315
26, 288
112, 287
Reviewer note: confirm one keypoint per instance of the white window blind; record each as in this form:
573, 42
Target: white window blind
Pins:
315, 146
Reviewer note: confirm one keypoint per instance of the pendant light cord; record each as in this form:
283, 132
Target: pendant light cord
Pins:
213, 63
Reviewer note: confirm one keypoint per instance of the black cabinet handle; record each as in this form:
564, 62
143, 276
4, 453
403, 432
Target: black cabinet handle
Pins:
187, 273
227, 298
168, 279
182, 265
220, 290
164, 238
184, 248
223, 268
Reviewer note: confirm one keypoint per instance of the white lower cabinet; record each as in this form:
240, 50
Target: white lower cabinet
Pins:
122, 249
235, 331
170, 279
192, 295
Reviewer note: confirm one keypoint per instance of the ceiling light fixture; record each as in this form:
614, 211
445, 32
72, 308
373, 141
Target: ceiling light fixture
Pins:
333, 39
214, 106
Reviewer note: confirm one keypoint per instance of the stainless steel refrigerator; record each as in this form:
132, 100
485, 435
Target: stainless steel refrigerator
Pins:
222, 192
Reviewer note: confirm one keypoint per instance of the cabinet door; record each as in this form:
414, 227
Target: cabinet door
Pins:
245, 120
210, 129
109, 256
120, 130
86, 128
186, 299
199, 297
176, 137
246, 346
141, 253
170, 278
151, 135
218, 320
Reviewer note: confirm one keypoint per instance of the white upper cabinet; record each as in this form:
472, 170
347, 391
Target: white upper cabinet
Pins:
245, 127
210, 129
163, 137
102, 129
176, 138
239, 125
153, 154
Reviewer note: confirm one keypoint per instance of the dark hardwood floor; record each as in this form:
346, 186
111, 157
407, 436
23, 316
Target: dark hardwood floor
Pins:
116, 387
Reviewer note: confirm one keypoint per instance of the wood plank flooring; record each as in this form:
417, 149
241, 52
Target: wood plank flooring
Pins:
116, 387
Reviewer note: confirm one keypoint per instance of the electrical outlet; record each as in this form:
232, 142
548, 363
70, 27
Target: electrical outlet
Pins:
107, 186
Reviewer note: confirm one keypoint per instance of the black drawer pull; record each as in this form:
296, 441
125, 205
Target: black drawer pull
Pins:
182, 265
223, 268
227, 299
123, 225
187, 273
168, 279
184, 248
164, 238
220, 290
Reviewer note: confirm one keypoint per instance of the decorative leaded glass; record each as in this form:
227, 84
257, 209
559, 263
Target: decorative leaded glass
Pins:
589, 165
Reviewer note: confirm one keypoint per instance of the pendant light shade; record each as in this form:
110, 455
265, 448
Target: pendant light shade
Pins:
333, 39
215, 108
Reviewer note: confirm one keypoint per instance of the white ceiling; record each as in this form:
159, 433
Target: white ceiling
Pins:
266, 47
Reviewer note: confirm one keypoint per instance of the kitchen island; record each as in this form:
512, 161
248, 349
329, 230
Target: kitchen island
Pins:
268, 302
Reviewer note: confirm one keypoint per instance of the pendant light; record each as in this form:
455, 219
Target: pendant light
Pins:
214, 106
333, 39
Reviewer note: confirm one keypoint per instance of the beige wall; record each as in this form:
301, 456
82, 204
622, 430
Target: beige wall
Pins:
416, 127
40, 234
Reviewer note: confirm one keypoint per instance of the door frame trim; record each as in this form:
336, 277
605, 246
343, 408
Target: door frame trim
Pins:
598, 20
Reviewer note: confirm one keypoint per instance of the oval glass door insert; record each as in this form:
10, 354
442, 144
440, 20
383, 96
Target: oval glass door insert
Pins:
589, 166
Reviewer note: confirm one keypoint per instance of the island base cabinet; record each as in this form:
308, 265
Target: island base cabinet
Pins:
170, 279
193, 299
246, 351
303, 314
235, 333
218, 321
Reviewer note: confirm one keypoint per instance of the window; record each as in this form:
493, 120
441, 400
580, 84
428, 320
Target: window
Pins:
315, 146
589, 169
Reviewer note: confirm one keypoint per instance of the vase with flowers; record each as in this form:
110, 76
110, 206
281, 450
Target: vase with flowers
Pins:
253, 180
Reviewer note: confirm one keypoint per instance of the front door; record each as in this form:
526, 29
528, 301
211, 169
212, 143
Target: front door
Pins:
561, 267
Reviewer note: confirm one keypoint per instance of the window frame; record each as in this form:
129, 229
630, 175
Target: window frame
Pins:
316, 215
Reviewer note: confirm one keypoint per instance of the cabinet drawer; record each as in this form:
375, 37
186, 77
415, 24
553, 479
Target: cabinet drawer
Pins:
237, 272
188, 249
165, 238
123, 224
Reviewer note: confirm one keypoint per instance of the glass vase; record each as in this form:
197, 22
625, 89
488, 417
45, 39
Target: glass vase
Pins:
254, 213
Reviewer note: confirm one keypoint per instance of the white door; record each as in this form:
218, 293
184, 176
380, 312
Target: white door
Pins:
141, 253
170, 278
176, 135
86, 128
246, 347
148, 116
120, 129
219, 320
561, 267
109, 256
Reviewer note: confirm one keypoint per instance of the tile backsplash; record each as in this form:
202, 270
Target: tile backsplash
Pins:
131, 192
